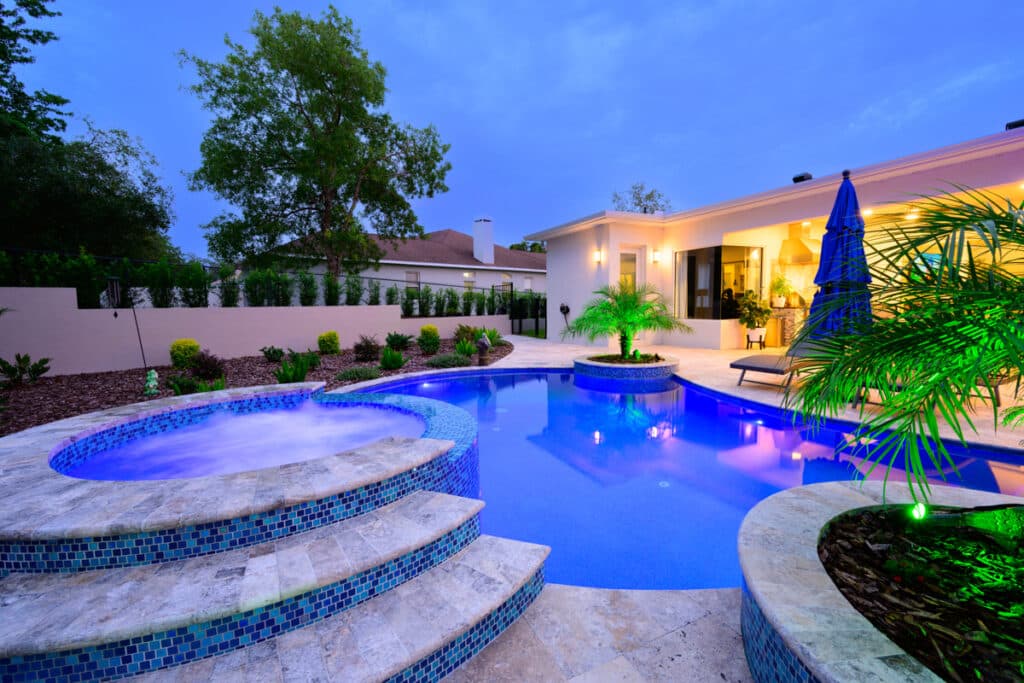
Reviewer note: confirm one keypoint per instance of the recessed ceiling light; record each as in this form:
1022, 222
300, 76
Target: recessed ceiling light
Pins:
868, 212
912, 216
806, 223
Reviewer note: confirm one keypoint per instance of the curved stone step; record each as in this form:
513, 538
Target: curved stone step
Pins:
420, 631
120, 621
122, 524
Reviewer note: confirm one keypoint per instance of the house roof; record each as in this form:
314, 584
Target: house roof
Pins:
454, 248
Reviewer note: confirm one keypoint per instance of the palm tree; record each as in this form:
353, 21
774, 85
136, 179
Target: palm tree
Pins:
624, 310
948, 297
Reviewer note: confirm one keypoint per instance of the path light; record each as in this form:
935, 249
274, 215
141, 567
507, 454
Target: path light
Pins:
919, 511
598, 438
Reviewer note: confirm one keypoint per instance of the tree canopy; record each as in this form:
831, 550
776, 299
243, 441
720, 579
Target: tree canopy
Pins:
641, 200
527, 245
38, 114
301, 145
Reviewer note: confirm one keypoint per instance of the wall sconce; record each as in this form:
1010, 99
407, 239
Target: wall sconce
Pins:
656, 256
597, 256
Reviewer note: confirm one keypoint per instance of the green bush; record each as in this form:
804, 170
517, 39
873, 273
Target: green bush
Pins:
429, 340
361, 373
481, 302
207, 366
85, 275
23, 370
467, 302
215, 385
440, 301
451, 304
328, 343
273, 353
426, 300
182, 384
194, 285
391, 295
130, 282
465, 347
160, 282
492, 303
332, 290
495, 337
229, 287
408, 302
281, 286
294, 371
182, 352
256, 285
449, 360
353, 289
366, 349
373, 293
310, 357
392, 360
307, 289
466, 333
398, 341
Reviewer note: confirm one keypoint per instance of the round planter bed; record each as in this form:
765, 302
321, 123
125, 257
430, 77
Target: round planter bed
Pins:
624, 377
796, 624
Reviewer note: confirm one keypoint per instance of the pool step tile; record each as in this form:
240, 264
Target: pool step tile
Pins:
46, 613
419, 631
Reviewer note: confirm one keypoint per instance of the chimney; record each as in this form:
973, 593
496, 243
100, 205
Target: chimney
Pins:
483, 240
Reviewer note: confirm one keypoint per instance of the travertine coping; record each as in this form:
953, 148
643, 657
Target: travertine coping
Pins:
40, 503
778, 550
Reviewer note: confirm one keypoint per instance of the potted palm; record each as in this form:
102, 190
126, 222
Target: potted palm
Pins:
780, 288
754, 315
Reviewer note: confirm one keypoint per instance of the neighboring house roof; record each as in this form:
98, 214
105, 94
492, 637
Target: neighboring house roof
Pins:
455, 249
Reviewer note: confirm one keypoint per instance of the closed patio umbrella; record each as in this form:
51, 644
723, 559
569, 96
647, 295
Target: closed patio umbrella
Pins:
842, 302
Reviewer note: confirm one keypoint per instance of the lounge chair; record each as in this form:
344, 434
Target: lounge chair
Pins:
771, 363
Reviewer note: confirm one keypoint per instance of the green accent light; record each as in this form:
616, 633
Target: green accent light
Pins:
919, 511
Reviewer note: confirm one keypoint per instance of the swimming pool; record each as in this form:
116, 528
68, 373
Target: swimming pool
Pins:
644, 490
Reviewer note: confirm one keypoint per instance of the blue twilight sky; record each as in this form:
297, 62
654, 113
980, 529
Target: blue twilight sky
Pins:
551, 106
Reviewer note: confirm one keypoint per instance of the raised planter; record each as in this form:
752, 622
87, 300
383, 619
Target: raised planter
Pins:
630, 378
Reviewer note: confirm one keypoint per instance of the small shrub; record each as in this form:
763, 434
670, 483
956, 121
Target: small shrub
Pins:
466, 333
194, 285
228, 288
408, 301
307, 289
450, 360
183, 384
310, 357
429, 340
332, 290
366, 349
353, 289
440, 301
256, 285
328, 343
467, 302
23, 370
392, 360
215, 385
360, 373
465, 348
182, 352
373, 293
398, 341
451, 304
495, 337
159, 280
426, 300
481, 303
492, 303
281, 286
391, 295
207, 366
273, 353
294, 371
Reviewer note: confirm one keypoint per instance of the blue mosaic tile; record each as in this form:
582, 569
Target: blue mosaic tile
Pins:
769, 658
197, 641
455, 472
440, 663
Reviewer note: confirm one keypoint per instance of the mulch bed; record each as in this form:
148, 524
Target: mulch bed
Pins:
617, 359
949, 594
62, 396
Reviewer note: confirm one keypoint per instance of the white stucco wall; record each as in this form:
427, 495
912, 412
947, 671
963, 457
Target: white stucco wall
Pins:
573, 258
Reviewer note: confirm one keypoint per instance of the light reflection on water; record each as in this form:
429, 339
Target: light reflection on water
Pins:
227, 442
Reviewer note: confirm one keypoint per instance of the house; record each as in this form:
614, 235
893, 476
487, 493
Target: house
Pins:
694, 256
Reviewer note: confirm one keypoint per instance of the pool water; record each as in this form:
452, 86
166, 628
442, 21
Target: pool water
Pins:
643, 490
229, 442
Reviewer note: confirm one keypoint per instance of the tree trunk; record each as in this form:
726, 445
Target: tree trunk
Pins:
625, 344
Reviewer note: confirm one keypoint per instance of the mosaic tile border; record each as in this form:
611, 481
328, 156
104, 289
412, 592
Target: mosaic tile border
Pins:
455, 472
452, 655
197, 641
769, 658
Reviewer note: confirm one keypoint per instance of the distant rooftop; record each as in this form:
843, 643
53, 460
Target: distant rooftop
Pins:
454, 248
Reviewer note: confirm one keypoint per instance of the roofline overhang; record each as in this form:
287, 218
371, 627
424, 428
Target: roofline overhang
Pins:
990, 145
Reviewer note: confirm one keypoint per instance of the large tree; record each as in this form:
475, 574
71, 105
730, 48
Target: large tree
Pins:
641, 200
37, 114
300, 144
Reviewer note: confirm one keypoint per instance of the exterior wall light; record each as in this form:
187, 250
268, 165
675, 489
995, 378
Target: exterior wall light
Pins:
597, 256
656, 256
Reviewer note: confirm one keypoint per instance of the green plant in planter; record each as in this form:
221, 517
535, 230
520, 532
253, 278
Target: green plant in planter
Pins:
753, 312
624, 310
780, 286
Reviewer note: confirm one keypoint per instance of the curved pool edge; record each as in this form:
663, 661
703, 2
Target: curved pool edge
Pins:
796, 624
44, 505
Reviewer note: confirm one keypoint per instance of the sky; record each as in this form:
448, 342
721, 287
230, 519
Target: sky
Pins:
549, 107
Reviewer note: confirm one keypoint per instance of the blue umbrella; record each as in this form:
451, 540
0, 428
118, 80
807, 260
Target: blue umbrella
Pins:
842, 302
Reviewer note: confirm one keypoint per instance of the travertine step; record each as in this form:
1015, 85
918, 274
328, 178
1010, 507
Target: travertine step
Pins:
232, 598
419, 631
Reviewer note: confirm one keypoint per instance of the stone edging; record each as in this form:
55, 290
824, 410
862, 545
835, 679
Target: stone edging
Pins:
797, 626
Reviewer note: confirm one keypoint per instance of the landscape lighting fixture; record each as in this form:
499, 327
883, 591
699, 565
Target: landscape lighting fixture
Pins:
918, 511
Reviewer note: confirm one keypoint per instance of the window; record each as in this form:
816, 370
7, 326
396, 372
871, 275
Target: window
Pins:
468, 279
627, 270
710, 281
